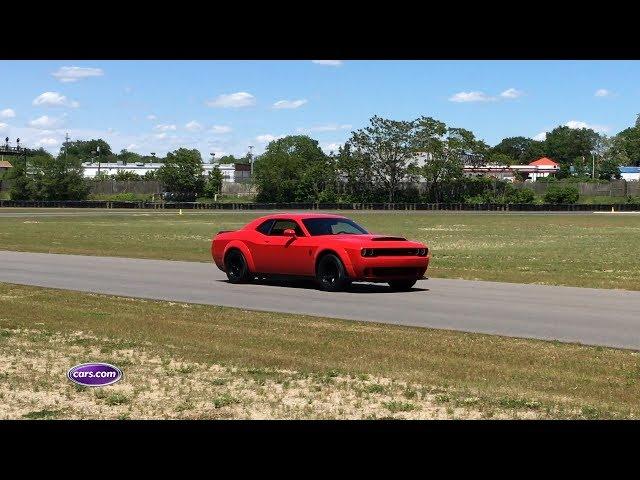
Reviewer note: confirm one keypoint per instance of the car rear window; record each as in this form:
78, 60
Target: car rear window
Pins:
265, 227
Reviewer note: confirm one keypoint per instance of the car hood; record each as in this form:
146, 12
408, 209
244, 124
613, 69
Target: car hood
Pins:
373, 241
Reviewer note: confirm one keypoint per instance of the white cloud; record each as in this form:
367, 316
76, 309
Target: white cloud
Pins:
267, 137
511, 93
7, 113
132, 146
331, 127
47, 142
73, 74
151, 117
331, 147
160, 136
603, 92
580, 124
288, 104
193, 126
463, 97
3, 126
220, 129
541, 136
54, 99
46, 123
328, 63
233, 100
165, 128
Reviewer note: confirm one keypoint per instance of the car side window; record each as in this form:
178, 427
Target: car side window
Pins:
265, 227
280, 226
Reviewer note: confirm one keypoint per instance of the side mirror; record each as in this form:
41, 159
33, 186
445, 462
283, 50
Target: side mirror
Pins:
289, 232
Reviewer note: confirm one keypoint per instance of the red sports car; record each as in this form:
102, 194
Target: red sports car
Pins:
333, 249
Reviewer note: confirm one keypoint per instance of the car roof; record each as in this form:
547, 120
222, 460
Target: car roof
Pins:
291, 216
302, 216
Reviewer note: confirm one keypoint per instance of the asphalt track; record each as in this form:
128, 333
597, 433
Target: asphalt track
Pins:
584, 315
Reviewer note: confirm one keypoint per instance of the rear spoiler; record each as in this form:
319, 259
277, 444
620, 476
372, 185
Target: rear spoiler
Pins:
224, 231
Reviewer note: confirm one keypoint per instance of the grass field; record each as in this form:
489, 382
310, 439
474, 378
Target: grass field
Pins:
593, 250
194, 361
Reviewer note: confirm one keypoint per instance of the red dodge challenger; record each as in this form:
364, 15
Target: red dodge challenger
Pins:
330, 248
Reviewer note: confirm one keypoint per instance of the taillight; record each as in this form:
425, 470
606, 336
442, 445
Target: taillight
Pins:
423, 252
367, 252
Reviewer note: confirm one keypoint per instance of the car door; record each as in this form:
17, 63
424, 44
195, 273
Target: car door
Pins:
287, 255
259, 247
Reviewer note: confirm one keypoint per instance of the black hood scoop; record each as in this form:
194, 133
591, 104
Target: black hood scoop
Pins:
387, 239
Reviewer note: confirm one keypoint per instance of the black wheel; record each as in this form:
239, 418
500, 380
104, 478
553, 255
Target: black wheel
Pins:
236, 267
330, 274
402, 285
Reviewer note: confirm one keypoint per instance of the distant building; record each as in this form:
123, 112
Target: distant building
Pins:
630, 174
231, 173
4, 166
543, 167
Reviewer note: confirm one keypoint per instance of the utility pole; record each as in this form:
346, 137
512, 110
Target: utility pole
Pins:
593, 166
250, 155
98, 155
66, 144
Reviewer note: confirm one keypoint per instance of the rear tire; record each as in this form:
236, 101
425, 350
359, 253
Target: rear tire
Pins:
236, 268
402, 285
331, 274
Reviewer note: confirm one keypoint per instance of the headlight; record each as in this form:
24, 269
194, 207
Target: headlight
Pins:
367, 252
423, 252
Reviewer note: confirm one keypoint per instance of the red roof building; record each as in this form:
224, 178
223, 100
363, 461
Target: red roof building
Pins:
544, 161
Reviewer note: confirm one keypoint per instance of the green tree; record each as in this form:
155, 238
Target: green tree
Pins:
182, 172
127, 156
23, 187
521, 150
292, 168
564, 144
355, 175
390, 147
213, 183
628, 141
448, 149
561, 194
60, 178
123, 175
85, 149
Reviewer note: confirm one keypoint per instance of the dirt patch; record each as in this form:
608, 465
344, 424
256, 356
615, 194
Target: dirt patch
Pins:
33, 384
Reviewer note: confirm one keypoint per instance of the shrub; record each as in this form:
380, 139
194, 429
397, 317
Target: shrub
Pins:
561, 194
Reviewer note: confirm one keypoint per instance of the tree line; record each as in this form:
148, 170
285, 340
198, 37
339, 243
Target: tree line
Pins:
389, 160
418, 160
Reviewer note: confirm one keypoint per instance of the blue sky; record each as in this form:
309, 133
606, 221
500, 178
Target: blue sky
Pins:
225, 106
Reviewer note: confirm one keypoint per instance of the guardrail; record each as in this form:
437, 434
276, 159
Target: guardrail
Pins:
493, 207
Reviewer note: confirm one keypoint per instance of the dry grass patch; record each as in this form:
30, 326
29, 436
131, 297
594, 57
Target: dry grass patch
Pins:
244, 364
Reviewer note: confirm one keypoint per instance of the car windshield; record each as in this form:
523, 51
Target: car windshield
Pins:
332, 226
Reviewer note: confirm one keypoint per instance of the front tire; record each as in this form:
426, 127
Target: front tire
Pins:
331, 274
402, 285
236, 267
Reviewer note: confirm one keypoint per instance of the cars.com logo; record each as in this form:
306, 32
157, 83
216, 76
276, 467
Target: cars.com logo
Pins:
94, 374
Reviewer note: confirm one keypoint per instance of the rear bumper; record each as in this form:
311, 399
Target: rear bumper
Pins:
384, 269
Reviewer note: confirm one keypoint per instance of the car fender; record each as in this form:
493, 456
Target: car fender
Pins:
342, 255
245, 251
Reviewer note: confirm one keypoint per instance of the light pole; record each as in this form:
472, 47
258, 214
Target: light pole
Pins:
98, 155
250, 155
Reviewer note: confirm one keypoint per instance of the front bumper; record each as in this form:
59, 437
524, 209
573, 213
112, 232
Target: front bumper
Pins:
384, 269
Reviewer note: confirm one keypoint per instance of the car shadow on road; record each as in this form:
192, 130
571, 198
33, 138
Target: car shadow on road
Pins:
311, 285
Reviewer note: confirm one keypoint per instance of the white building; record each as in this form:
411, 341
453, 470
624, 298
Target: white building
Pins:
230, 172
630, 174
